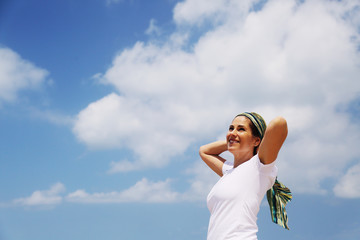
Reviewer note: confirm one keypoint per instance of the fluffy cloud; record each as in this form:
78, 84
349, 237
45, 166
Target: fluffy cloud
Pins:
46, 197
197, 12
145, 191
293, 58
153, 28
17, 74
349, 184
142, 191
116, 121
201, 180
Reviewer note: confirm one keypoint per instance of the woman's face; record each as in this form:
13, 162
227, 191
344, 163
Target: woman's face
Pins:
239, 137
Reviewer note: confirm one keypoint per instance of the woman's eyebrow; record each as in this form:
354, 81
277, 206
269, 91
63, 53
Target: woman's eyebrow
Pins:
237, 126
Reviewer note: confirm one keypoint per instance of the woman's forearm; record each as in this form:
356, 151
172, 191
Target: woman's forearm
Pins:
209, 153
214, 148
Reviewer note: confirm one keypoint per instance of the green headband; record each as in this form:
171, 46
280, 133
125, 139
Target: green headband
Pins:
257, 120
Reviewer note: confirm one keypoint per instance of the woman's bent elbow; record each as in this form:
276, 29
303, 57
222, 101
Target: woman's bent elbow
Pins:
281, 124
202, 151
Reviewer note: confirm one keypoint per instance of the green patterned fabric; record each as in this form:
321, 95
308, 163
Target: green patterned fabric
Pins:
278, 196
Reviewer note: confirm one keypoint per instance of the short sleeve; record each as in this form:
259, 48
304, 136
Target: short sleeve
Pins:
269, 170
228, 165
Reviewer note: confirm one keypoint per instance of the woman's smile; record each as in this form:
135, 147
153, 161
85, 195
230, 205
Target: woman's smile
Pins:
232, 141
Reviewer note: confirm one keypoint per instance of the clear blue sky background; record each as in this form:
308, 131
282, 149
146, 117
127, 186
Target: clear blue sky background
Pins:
104, 104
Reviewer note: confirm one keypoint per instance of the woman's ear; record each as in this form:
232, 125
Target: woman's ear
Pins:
257, 141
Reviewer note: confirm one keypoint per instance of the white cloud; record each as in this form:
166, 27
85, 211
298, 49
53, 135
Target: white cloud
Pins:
153, 28
123, 166
201, 180
52, 117
196, 12
290, 58
17, 74
349, 184
46, 197
143, 191
116, 121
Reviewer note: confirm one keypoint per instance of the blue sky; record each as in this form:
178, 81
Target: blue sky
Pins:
104, 104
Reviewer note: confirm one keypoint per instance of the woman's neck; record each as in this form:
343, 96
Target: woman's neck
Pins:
240, 158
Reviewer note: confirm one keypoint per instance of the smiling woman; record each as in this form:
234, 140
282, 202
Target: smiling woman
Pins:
235, 199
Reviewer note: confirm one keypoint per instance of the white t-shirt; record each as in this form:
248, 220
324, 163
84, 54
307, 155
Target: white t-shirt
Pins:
235, 199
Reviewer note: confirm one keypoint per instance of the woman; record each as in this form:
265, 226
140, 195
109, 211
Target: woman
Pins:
235, 199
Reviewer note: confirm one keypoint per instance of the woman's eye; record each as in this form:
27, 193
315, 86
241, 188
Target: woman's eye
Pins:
231, 128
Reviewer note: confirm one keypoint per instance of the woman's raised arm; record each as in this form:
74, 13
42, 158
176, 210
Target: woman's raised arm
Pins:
209, 153
274, 137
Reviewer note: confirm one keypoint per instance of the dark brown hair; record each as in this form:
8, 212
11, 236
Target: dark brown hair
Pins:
255, 133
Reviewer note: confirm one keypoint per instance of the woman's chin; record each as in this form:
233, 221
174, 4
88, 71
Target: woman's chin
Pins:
232, 150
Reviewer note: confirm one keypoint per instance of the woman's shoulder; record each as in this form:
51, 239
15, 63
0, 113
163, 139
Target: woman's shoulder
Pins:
268, 169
